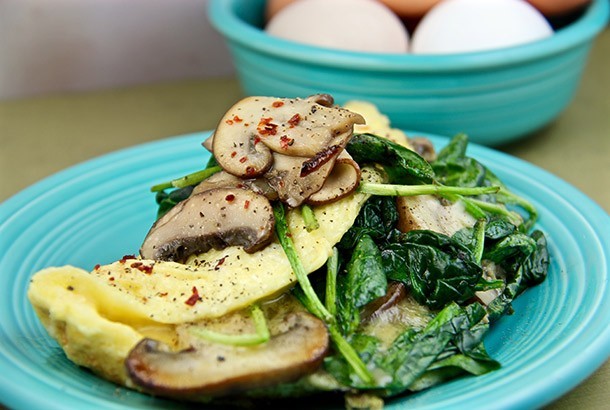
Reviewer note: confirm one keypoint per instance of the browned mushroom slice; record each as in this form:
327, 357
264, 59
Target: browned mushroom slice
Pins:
326, 100
220, 179
223, 179
428, 212
216, 218
292, 186
236, 143
423, 146
208, 143
216, 370
396, 292
289, 126
342, 181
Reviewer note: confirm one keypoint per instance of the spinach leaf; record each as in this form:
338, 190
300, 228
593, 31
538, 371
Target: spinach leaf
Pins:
449, 345
537, 264
436, 268
401, 164
453, 328
531, 271
377, 218
454, 167
363, 282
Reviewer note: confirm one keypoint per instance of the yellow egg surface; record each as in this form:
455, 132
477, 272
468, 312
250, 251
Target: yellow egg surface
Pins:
97, 317
376, 122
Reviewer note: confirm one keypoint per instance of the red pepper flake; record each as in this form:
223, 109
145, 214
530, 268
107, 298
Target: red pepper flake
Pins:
125, 257
266, 127
237, 119
142, 268
194, 298
294, 120
233, 154
96, 267
111, 278
257, 140
277, 104
246, 124
162, 294
286, 142
229, 122
220, 262
250, 171
246, 204
243, 159
230, 198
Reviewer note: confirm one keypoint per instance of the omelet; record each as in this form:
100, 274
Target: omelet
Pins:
98, 317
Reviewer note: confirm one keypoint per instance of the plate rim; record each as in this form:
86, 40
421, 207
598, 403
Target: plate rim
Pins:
596, 354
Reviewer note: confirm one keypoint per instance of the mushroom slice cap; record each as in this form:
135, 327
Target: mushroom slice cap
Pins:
223, 179
428, 212
236, 145
289, 126
216, 218
218, 370
292, 187
342, 181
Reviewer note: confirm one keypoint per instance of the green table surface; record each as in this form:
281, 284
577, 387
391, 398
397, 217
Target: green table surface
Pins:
43, 135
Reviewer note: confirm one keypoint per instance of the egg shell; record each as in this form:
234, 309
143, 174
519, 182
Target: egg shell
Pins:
410, 8
457, 26
354, 25
558, 7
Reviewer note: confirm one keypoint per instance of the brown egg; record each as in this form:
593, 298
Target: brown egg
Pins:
557, 7
403, 8
410, 8
273, 6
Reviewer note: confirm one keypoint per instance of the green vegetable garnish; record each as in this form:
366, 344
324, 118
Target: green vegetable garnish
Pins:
313, 303
261, 336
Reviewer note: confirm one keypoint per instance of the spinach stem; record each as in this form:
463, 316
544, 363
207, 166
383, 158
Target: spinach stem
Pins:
350, 355
297, 267
429, 189
187, 180
262, 334
510, 198
309, 217
479, 235
313, 302
497, 209
332, 266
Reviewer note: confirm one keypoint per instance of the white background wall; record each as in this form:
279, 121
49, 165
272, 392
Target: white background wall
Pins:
49, 46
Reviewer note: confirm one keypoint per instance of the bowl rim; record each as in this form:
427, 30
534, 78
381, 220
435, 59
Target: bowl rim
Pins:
222, 16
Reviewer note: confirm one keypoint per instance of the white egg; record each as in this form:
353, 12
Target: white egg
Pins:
457, 26
354, 25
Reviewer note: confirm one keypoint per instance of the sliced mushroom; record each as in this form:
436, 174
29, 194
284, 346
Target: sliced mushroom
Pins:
216, 218
428, 212
236, 144
220, 179
208, 143
287, 180
326, 100
289, 126
342, 181
296, 348
396, 292
423, 146
223, 179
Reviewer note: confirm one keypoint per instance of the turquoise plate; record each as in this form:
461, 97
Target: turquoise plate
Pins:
100, 210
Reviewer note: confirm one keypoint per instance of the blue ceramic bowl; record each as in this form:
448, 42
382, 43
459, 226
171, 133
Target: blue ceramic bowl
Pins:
494, 96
